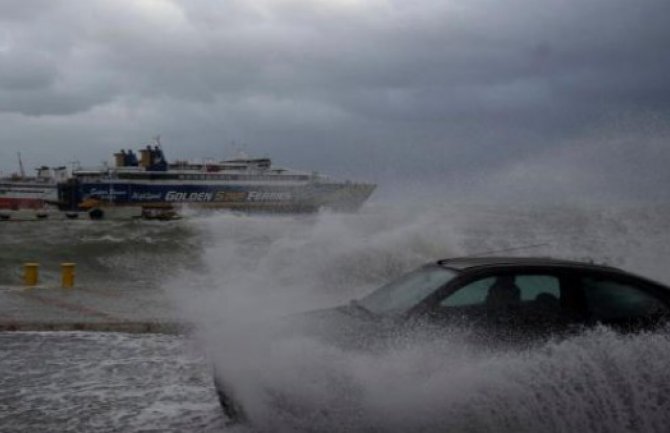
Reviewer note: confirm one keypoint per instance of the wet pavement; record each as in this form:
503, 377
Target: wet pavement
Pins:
79, 382
52, 308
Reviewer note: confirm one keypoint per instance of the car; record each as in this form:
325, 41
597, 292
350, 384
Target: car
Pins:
498, 300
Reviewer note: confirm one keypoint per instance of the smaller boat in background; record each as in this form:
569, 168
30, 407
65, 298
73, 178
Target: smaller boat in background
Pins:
20, 192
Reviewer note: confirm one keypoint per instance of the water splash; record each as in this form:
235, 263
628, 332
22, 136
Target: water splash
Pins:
596, 382
261, 268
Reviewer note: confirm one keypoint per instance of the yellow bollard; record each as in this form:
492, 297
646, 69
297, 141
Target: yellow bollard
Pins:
67, 274
31, 273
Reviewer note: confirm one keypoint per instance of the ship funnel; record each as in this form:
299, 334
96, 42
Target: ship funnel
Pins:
120, 158
145, 157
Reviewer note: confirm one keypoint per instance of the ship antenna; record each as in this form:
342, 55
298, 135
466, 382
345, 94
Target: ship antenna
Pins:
21, 169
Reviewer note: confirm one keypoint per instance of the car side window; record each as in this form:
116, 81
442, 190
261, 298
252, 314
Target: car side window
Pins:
532, 286
611, 300
470, 294
508, 289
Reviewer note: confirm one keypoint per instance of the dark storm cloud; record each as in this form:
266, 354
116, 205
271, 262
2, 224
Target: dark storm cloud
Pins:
457, 91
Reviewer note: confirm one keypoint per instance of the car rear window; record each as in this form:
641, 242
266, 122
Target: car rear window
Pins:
612, 300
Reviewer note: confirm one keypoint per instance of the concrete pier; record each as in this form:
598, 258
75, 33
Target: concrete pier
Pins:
52, 308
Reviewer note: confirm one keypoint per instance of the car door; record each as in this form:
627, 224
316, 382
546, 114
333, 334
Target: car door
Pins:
511, 305
624, 302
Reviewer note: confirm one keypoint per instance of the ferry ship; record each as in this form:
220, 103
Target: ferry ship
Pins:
151, 187
19, 191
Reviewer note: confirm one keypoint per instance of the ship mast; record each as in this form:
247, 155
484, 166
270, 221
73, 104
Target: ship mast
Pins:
21, 169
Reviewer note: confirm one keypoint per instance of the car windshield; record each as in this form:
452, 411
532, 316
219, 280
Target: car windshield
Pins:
407, 291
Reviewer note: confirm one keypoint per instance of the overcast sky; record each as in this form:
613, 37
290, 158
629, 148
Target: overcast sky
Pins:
517, 99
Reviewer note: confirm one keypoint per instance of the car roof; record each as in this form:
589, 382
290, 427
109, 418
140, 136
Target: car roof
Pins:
467, 263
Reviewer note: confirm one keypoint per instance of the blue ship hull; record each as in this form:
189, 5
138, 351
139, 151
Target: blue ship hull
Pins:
309, 197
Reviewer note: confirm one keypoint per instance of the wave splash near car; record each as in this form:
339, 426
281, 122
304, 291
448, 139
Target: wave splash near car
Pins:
594, 381
599, 381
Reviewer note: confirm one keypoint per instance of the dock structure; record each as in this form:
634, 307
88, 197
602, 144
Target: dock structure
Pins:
44, 307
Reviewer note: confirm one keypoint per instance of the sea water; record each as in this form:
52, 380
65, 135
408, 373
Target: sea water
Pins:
233, 275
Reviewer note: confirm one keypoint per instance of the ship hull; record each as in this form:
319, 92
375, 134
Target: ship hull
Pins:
13, 203
251, 197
